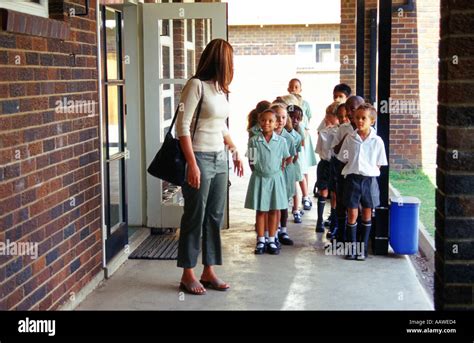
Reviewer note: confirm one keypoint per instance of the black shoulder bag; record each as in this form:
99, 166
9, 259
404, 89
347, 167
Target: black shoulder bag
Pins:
169, 163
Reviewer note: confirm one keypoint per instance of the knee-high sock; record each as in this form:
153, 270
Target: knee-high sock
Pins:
321, 204
351, 238
365, 228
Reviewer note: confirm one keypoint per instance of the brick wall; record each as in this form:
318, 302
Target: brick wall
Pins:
49, 162
454, 278
405, 133
278, 39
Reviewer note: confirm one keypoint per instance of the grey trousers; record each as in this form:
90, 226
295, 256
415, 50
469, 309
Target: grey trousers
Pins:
204, 212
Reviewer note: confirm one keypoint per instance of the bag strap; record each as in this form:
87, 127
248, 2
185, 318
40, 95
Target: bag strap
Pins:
198, 112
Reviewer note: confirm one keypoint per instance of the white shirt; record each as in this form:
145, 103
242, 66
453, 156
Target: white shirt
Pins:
212, 127
324, 144
363, 157
322, 126
344, 129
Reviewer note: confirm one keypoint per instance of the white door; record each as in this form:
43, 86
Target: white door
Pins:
174, 36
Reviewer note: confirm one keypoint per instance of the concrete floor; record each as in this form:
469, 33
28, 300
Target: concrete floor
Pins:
300, 278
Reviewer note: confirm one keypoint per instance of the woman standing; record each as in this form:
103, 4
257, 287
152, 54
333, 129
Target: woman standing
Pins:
206, 156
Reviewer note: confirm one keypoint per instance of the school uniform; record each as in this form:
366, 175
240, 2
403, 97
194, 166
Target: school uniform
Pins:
363, 158
360, 185
324, 150
289, 172
267, 188
297, 141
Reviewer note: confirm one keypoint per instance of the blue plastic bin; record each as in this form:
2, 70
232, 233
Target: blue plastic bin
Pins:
404, 214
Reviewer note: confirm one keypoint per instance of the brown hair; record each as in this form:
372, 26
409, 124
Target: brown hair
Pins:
216, 64
252, 118
368, 107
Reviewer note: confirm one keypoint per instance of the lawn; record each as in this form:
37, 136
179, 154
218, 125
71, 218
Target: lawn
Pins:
417, 184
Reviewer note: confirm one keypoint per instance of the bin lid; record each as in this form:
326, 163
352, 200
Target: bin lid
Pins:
405, 200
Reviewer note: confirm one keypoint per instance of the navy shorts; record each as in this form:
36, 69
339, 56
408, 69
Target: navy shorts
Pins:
323, 174
363, 190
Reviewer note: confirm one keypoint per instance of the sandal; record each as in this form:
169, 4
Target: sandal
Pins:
216, 284
188, 288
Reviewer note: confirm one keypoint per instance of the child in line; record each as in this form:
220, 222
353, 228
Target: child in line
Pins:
344, 129
296, 115
266, 193
289, 173
253, 127
340, 93
363, 153
309, 158
324, 150
334, 232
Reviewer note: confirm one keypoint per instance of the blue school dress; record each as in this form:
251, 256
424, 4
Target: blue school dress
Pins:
289, 172
267, 188
297, 141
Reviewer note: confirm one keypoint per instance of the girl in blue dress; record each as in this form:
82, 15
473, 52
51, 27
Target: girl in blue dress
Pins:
268, 155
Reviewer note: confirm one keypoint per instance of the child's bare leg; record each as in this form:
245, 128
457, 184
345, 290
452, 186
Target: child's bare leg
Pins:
272, 248
333, 200
295, 202
261, 223
272, 222
304, 187
260, 227
266, 224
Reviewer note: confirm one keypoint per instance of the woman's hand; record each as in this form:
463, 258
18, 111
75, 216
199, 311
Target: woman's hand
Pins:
194, 176
238, 166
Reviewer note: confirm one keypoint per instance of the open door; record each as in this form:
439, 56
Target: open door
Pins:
174, 36
114, 131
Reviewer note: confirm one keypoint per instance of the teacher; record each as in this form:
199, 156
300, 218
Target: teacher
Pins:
207, 169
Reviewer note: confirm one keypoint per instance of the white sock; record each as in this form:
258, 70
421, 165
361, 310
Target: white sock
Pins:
261, 239
283, 230
305, 198
266, 233
271, 239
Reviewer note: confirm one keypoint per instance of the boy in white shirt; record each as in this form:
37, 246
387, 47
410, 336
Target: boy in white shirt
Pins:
346, 127
324, 150
363, 152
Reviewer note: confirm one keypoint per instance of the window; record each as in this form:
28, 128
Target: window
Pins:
34, 7
314, 56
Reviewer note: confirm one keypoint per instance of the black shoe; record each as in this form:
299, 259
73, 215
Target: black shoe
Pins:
272, 248
285, 239
277, 242
260, 248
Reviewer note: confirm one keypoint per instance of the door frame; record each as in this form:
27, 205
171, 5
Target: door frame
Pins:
217, 12
113, 242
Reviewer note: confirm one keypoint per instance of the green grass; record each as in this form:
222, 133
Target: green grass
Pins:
417, 184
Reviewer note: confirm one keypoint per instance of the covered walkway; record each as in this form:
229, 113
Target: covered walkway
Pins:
300, 278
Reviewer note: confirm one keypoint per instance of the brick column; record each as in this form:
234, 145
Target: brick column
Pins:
454, 276
348, 42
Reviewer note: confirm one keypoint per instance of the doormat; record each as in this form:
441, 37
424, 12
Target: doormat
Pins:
157, 247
